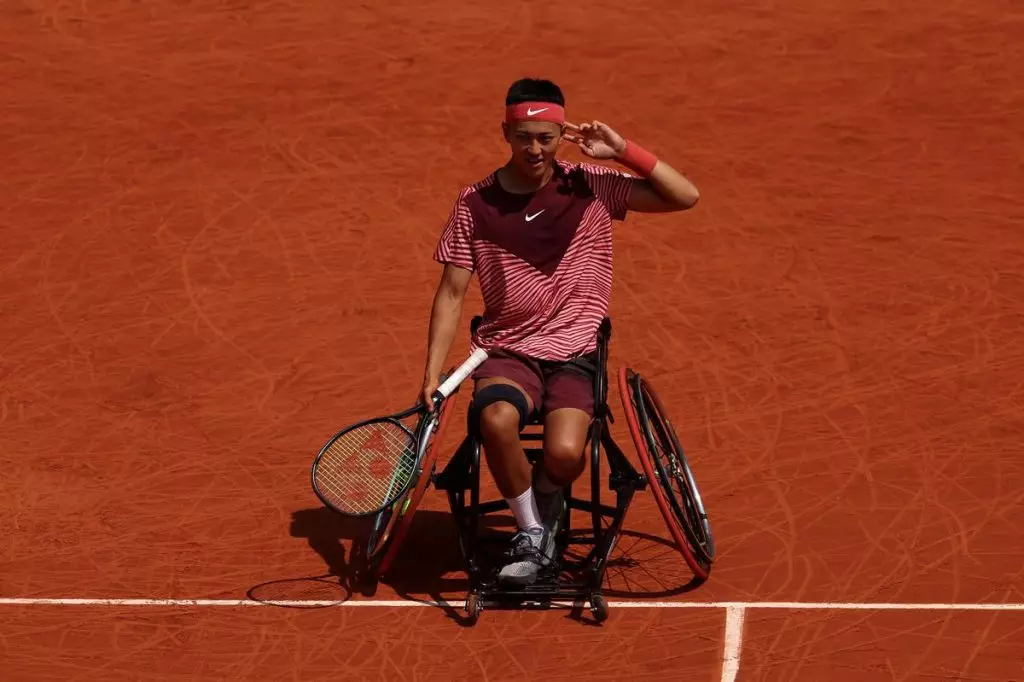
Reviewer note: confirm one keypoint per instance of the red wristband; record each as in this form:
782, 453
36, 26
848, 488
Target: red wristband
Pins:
638, 159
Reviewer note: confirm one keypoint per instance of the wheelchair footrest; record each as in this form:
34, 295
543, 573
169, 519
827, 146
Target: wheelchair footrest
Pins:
549, 585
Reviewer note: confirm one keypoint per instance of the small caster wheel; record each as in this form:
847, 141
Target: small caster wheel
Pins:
473, 607
365, 582
599, 607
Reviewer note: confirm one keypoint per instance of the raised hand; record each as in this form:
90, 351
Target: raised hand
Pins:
595, 139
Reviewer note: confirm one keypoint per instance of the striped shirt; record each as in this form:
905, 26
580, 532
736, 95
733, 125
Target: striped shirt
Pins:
544, 260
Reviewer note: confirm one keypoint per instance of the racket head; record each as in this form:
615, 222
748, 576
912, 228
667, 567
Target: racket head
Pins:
365, 467
401, 519
667, 469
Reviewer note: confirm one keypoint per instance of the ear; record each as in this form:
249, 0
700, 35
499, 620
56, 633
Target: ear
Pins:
505, 131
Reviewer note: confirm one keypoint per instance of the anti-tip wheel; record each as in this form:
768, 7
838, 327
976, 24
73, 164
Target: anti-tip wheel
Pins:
473, 607
369, 587
599, 607
366, 582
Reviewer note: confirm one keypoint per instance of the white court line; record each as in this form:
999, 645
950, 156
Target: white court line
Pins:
825, 606
733, 642
380, 603
735, 611
399, 603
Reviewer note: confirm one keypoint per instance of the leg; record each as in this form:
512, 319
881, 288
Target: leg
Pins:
499, 434
565, 435
569, 411
507, 390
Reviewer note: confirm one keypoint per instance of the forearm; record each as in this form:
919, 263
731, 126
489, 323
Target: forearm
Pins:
444, 322
668, 183
672, 186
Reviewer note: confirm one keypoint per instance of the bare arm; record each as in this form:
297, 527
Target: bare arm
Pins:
444, 321
665, 190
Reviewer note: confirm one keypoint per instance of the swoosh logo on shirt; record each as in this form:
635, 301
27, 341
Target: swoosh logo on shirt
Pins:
531, 217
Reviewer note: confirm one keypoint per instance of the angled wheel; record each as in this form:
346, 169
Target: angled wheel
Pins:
668, 470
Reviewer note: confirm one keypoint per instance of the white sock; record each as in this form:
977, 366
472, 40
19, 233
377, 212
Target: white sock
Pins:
544, 484
524, 508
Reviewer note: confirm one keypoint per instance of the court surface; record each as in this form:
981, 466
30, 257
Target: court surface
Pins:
216, 223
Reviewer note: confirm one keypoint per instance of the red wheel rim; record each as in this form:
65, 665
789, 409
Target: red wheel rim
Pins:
699, 568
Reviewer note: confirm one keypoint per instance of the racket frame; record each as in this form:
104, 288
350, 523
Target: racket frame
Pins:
390, 515
421, 435
382, 551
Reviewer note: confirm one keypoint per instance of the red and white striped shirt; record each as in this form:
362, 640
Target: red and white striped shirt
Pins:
544, 260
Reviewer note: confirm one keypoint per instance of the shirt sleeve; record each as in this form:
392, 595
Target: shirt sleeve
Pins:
611, 187
455, 245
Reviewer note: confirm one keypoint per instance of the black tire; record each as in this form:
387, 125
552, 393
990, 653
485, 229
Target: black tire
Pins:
668, 472
473, 607
674, 468
367, 584
599, 607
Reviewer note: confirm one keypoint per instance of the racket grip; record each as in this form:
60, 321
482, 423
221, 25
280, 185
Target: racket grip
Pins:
460, 374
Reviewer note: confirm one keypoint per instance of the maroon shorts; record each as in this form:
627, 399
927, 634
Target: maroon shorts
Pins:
551, 385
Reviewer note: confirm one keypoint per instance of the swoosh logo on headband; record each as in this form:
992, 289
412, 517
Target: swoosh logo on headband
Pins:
531, 112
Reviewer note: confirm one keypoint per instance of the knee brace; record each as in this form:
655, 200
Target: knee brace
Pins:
496, 393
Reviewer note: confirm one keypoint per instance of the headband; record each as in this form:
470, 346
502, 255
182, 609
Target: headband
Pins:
535, 111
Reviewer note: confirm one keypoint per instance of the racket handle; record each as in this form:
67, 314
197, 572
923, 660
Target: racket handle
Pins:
460, 374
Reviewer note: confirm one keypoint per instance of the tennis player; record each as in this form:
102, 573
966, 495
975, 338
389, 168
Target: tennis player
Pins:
538, 234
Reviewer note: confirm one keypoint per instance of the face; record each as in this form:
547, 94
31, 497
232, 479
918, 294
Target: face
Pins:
533, 144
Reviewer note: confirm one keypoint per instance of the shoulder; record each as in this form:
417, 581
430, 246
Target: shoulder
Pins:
464, 208
469, 196
591, 172
474, 188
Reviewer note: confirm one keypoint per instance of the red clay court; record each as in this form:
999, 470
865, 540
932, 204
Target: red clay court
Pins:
215, 237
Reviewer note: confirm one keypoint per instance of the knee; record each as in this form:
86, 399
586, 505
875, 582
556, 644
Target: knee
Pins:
498, 411
499, 421
564, 455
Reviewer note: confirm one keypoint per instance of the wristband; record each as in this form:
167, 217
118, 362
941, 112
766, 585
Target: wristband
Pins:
638, 159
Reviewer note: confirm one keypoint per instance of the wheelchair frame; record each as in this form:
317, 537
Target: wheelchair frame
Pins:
460, 479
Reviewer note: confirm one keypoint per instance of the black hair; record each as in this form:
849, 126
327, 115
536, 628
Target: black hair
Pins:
534, 90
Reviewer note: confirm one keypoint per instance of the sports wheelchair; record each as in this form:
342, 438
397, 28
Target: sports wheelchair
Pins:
574, 575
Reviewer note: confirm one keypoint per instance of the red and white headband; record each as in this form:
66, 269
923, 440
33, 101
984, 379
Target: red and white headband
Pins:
535, 111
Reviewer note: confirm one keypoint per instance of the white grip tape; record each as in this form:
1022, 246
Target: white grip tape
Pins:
467, 367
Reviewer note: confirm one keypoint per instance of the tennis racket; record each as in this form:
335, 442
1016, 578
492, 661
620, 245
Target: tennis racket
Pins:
391, 525
364, 468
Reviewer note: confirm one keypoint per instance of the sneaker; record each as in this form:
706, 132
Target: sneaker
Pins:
552, 509
531, 550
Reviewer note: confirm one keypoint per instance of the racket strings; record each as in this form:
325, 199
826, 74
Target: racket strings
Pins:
364, 469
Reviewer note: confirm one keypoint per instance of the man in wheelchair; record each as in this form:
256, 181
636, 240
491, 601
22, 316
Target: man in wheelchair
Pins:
512, 390
537, 231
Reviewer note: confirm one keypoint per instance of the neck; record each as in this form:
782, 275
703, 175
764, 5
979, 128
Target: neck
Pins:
515, 182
